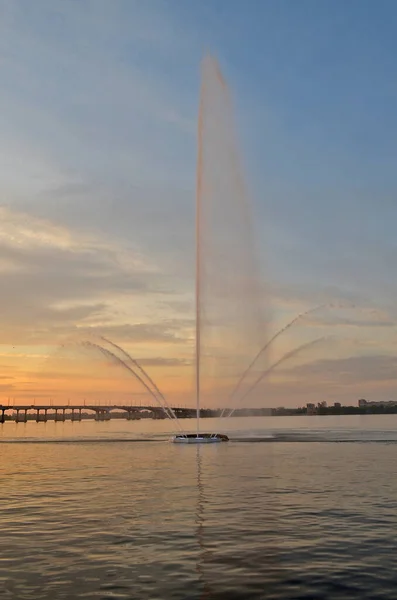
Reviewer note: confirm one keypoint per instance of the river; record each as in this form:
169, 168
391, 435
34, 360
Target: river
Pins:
291, 508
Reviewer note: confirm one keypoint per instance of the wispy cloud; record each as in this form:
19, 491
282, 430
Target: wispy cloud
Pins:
78, 93
349, 371
56, 282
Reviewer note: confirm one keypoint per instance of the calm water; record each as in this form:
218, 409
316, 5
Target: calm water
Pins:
112, 510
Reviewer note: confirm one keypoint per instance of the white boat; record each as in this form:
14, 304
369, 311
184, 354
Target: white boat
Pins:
198, 437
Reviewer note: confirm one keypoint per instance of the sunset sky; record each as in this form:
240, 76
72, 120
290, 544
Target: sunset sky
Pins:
98, 111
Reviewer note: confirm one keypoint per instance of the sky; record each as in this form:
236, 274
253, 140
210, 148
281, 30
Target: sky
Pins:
98, 119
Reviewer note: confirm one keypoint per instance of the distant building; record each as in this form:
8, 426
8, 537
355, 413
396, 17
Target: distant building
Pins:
311, 409
337, 405
385, 403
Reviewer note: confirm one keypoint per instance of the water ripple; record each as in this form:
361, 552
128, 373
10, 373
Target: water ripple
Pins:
281, 521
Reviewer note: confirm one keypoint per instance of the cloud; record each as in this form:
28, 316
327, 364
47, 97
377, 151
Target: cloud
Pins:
5, 387
55, 281
331, 379
94, 106
168, 331
157, 218
355, 370
355, 317
165, 362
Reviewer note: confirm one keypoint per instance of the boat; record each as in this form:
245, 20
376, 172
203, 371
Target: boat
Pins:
198, 437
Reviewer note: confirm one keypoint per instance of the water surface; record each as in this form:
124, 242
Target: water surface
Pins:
112, 510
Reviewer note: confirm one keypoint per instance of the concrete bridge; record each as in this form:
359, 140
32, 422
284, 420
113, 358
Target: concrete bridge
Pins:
21, 413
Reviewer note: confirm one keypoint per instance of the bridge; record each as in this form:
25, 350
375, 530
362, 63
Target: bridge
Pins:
21, 413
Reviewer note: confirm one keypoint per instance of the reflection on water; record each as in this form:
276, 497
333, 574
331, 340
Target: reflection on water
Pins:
151, 520
203, 553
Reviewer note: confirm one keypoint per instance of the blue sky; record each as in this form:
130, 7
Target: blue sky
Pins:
98, 111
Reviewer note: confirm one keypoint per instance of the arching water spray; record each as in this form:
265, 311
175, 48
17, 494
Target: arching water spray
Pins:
262, 351
142, 370
286, 356
118, 360
266, 346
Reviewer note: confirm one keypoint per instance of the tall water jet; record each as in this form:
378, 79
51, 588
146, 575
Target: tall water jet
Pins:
229, 294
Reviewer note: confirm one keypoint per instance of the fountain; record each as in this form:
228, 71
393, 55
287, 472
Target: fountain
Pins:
143, 372
230, 323
281, 360
300, 317
265, 348
229, 294
156, 394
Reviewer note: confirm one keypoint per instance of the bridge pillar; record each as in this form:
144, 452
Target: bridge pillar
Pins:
102, 415
3, 415
132, 415
24, 417
59, 417
158, 414
41, 417
76, 416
